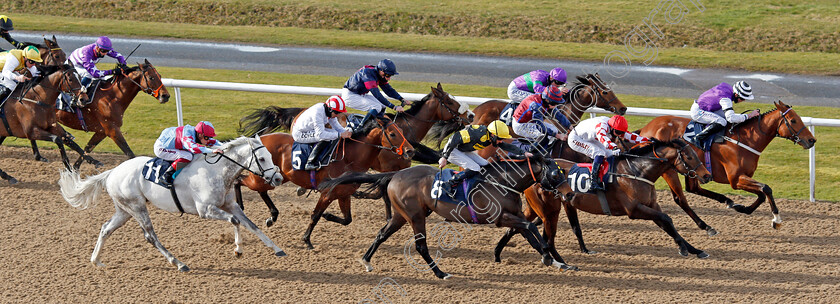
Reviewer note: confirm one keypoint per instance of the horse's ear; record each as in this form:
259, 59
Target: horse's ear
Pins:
439, 87
146, 61
56, 41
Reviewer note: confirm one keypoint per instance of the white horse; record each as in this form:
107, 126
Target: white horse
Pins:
203, 187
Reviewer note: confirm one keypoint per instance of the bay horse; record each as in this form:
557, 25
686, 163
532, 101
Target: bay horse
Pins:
29, 110
496, 201
735, 163
353, 154
437, 106
203, 187
589, 91
633, 194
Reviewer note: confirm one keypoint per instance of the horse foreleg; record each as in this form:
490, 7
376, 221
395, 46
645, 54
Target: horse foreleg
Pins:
393, 225
141, 214
73, 145
119, 139
271, 209
673, 181
665, 223
762, 191
92, 143
344, 204
237, 213
323, 202
497, 252
571, 214
530, 232
117, 220
418, 223
693, 186
37, 153
5, 176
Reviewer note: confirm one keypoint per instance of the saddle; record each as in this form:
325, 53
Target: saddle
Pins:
462, 190
301, 151
693, 128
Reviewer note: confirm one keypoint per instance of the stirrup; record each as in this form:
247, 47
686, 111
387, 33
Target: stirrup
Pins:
301, 191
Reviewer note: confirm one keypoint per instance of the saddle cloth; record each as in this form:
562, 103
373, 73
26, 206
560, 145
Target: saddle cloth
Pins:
462, 190
154, 169
301, 151
693, 128
579, 176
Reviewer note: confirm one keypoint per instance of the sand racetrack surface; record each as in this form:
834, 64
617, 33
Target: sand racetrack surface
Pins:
47, 246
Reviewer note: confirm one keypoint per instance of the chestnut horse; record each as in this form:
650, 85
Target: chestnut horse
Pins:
734, 161
353, 154
29, 110
633, 193
437, 106
495, 201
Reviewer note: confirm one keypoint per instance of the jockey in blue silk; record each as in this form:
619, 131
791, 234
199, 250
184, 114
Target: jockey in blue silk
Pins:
84, 59
5, 27
594, 138
534, 82
461, 150
369, 79
180, 144
714, 108
15, 63
529, 116
310, 127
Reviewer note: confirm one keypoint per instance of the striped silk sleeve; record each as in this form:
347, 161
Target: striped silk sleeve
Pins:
601, 134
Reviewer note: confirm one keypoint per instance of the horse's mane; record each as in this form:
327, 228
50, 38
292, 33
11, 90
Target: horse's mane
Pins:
226, 146
648, 148
37, 45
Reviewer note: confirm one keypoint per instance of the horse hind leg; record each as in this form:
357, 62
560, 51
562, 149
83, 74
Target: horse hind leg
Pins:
141, 214
119, 219
393, 225
37, 153
530, 232
8, 177
92, 143
764, 192
344, 205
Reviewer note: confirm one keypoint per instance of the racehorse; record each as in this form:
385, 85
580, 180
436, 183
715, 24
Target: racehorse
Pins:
29, 110
50, 51
494, 202
589, 91
104, 115
204, 188
437, 106
352, 154
734, 161
632, 194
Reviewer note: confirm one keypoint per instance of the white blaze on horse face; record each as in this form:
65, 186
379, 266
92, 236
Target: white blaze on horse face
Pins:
463, 106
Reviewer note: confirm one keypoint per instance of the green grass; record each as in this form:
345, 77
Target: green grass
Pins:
782, 166
788, 62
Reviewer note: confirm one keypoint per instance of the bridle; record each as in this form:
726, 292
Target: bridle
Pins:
148, 89
600, 95
795, 137
397, 149
690, 173
456, 117
253, 159
65, 81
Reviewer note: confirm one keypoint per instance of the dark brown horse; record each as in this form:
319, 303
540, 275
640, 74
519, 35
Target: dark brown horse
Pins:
735, 163
496, 201
633, 193
437, 106
29, 111
51, 53
354, 154
104, 115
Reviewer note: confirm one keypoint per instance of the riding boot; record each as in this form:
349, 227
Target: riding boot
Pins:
595, 180
167, 177
370, 115
700, 138
4, 93
452, 185
313, 163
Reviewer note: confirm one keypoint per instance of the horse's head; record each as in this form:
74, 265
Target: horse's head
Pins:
592, 91
442, 107
261, 162
791, 127
52, 53
682, 158
149, 80
64, 79
393, 139
553, 178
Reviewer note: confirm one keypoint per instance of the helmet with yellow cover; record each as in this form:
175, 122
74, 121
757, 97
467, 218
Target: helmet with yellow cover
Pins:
499, 128
32, 53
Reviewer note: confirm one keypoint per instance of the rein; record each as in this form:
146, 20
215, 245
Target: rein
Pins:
253, 159
148, 89
399, 150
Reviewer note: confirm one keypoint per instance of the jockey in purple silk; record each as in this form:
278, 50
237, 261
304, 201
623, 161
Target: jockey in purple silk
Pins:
84, 59
714, 108
534, 82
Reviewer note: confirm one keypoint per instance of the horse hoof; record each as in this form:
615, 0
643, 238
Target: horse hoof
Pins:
368, 266
702, 255
711, 231
184, 268
234, 221
98, 165
446, 276
548, 261
777, 225
590, 252
683, 252
280, 254
301, 191
269, 222
12, 181
42, 159
237, 254
99, 264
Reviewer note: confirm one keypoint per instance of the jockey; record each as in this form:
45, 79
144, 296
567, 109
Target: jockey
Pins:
534, 82
594, 138
529, 115
179, 144
15, 63
310, 127
367, 79
461, 147
5, 27
84, 59
714, 108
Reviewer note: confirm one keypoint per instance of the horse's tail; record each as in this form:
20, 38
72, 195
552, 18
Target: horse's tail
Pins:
377, 182
270, 119
424, 154
81, 193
